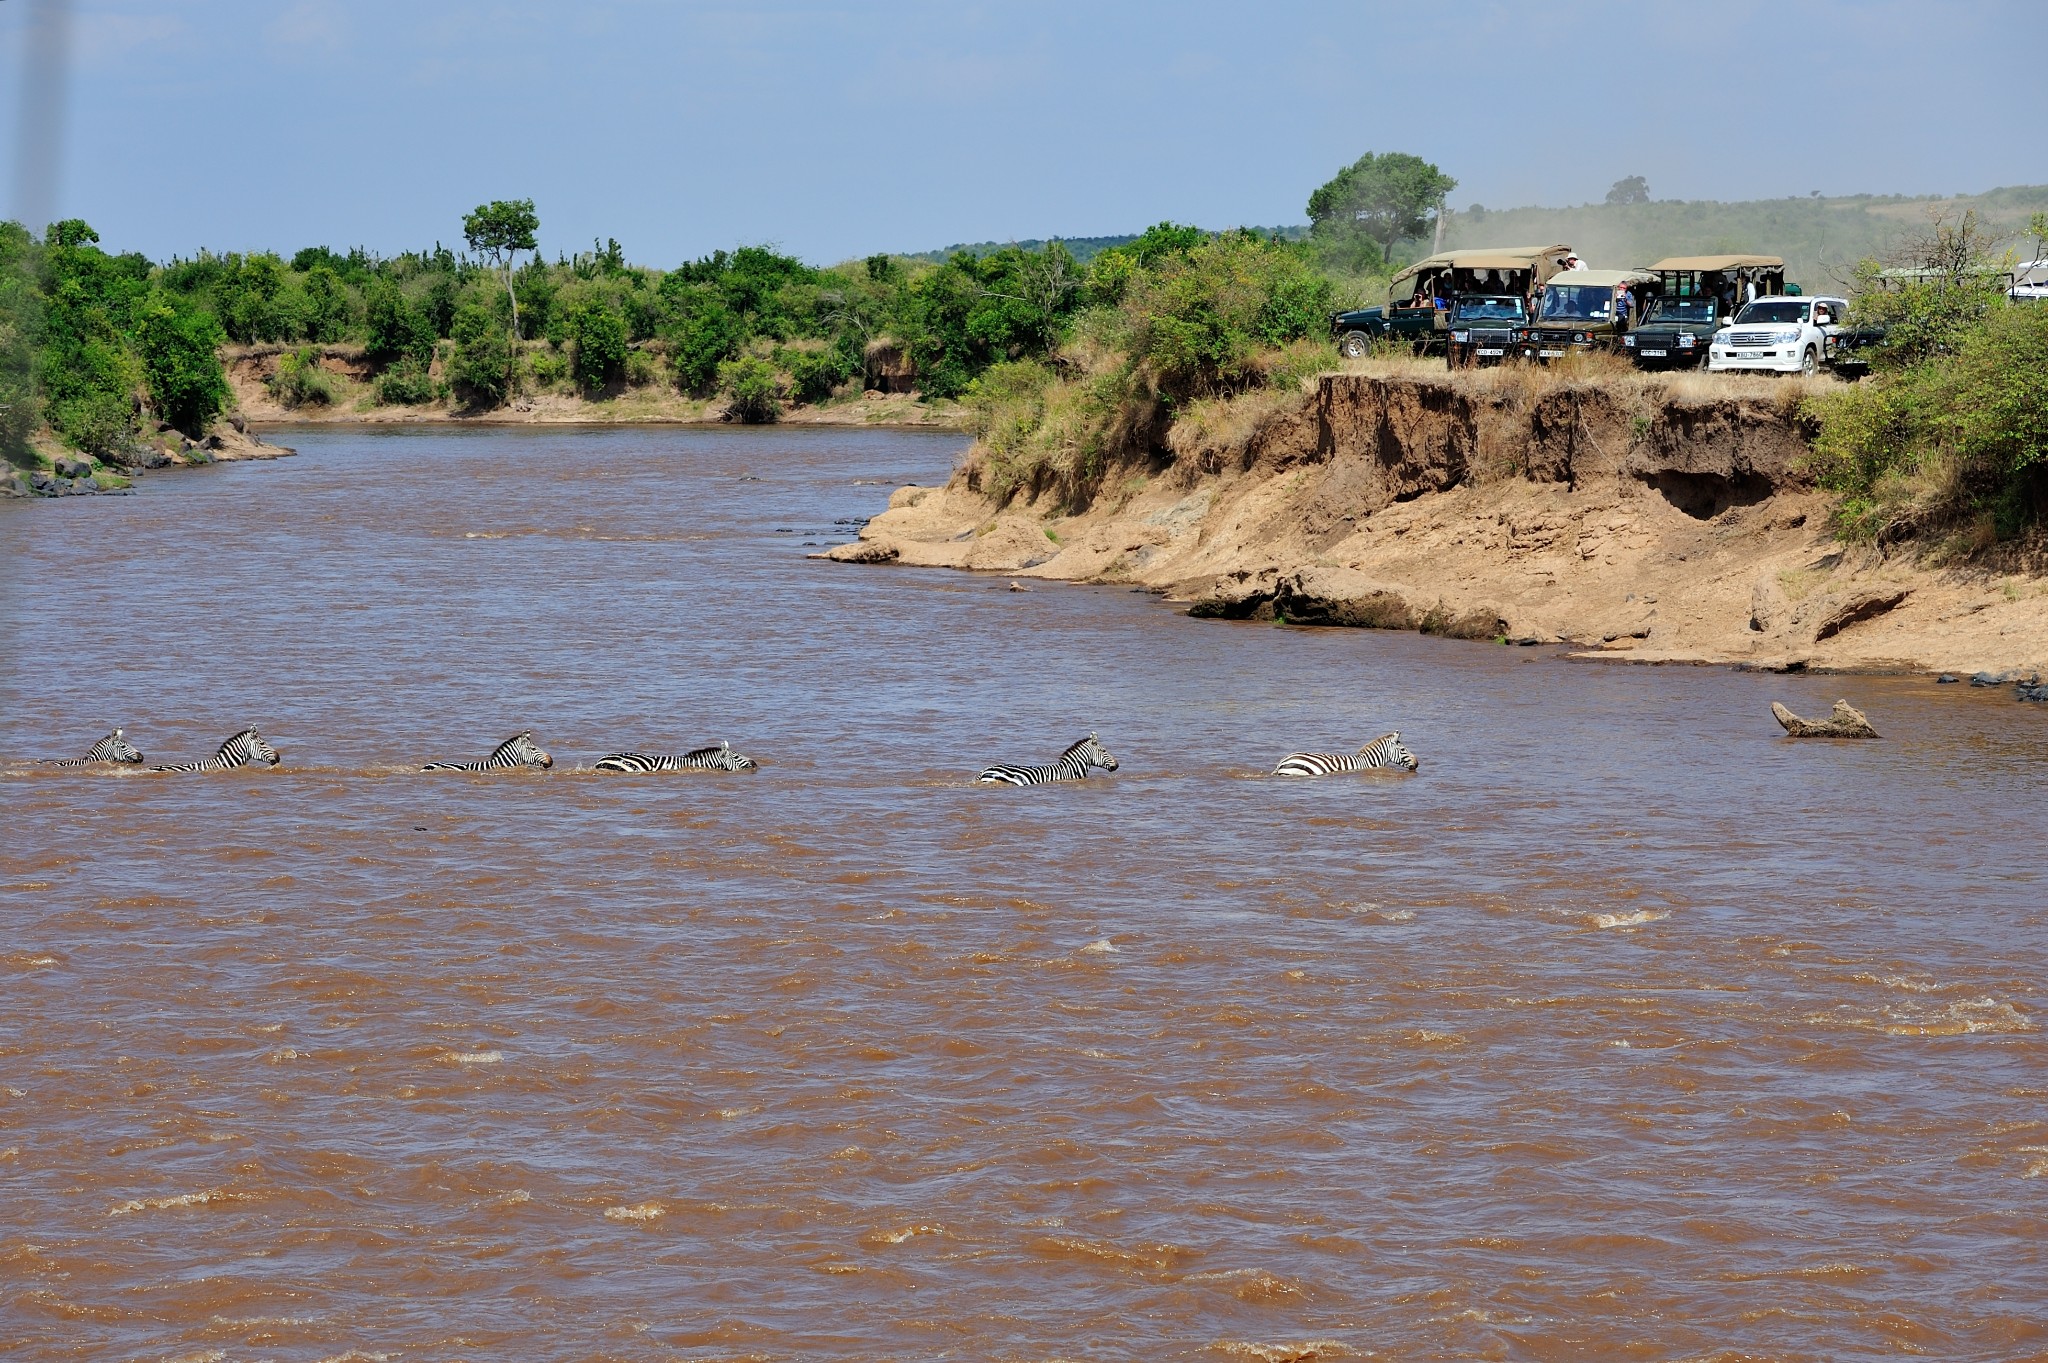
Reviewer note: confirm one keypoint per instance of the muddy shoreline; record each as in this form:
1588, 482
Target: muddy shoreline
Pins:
1633, 522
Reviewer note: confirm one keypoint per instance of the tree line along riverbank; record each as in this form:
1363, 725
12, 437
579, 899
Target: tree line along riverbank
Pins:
1061, 370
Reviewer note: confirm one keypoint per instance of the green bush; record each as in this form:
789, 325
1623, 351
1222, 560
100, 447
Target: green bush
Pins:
481, 357
814, 374
1920, 448
702, 341
96, 423
177, 345
550, 367
752, 393
1198, 321
394, 329
300, 381
597, 335
643, 369
405, 384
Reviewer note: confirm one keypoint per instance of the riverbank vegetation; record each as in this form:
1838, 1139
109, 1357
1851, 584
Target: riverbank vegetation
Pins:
1947, 442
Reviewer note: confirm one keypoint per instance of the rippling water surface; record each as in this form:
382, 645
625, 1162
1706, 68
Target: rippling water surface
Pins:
1626, 1029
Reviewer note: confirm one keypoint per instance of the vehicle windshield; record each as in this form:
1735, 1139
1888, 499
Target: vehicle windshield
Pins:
1783, 310
1577, 303
1490, 310
1681, 310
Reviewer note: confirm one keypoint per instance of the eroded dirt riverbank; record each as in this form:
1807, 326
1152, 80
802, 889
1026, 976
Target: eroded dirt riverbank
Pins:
1636, 520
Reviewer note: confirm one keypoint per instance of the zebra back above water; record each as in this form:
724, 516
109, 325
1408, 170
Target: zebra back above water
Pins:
113, 749
1073, 765
1383, 752
517, 751
720, 758
245, 749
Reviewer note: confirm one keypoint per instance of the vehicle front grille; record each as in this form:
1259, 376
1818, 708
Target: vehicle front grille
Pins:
1749, 338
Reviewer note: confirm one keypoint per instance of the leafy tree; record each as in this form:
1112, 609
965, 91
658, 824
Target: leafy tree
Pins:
327, 310
752, 394
1199, 322
1633, 189
1384, 197
176, 344
498, 231
20, 311
598, 334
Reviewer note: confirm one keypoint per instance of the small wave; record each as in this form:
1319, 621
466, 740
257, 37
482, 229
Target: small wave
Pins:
1626, 920
477, 1057
645, 1211
1968, 1017
898, 1236
1306, 1351
1252, 1284
1430, 1037
158, 1204
1101, 946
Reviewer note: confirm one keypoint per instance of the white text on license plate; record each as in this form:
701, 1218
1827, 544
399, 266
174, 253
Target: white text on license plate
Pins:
1660, 354
1494, 351
1550, 354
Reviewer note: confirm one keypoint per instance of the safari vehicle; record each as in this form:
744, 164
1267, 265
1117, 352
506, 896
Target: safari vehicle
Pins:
1486, 328
1418, 307
1785, 334
1583, 310
1696, 297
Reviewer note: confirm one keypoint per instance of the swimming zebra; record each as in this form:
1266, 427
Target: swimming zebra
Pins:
112, 748
1384, 751
245, 749
1072, 766
720, 758
517, 751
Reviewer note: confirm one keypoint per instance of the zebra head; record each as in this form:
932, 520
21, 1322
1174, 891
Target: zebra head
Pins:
520, 749
734, 761
1089, 752
1391, 751
247, 749
114, 748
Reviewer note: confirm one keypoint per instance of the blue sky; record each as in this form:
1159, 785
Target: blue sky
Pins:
837, 130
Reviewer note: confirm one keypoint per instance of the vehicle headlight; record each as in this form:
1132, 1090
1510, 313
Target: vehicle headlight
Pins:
1785, 337
1578, 338
1628, 341
1720, 338
1687, 338
1461, 336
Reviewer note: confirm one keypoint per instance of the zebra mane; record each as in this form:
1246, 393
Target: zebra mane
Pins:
1076, 747
512, 743
1393, 737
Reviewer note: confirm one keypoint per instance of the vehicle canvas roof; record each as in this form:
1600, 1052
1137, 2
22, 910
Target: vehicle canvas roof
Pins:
1605, 279
1491, 258
1708, 264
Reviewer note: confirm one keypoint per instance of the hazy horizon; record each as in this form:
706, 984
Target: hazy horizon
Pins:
910, 126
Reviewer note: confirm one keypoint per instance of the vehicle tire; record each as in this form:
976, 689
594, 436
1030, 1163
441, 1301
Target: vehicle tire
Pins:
1354, 345
1809, 363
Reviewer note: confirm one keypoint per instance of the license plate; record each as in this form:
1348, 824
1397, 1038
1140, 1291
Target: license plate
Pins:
1550, 354
1495, 351
1660, 354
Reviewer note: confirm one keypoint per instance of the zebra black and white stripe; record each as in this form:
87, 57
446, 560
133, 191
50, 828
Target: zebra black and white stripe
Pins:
720, 758
517, 751
1073, 765
245, 749
1384, 751
113, 748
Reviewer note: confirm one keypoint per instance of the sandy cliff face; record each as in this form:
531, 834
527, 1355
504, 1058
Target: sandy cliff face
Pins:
1657, 523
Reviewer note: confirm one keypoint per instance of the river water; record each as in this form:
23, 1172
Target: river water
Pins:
1627, 1028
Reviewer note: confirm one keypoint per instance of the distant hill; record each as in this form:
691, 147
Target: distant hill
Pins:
1821, 239
1083, 249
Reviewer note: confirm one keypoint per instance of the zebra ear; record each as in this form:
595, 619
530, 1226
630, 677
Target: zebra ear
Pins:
1094, 737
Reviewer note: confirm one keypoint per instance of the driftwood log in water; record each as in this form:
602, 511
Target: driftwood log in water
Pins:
1844, 721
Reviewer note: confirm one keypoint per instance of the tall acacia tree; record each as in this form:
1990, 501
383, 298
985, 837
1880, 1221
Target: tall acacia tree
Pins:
499, 231
1385, 196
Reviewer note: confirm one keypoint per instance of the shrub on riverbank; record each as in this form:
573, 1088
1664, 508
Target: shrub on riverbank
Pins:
1955, 443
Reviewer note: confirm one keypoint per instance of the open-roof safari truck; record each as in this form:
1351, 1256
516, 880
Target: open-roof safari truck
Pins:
1697, 296
1422, 299
1588, 310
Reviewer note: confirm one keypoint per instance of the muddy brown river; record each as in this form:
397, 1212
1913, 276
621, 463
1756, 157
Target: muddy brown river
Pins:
1626, 1029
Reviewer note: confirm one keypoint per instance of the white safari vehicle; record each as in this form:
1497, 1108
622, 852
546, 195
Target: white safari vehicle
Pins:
1782, 334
